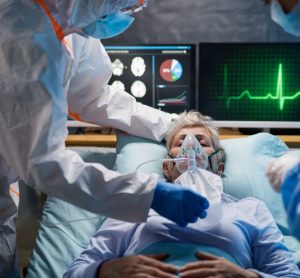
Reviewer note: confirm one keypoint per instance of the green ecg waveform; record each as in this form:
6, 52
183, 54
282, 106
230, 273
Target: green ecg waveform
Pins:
279, 96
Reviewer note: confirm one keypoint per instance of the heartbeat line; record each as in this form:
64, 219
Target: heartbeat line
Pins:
279, 96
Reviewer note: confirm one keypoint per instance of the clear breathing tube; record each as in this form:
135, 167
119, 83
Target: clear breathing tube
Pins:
181, 159
191, 156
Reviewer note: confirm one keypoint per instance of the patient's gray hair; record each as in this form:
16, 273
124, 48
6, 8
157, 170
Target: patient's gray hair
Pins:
192, 119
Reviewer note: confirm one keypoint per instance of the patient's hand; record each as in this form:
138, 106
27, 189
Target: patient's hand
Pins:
213, 266
138, 266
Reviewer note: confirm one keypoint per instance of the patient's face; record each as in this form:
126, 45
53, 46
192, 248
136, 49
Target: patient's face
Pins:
202, 135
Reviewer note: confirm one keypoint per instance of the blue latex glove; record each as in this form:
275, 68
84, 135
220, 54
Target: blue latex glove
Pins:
178, 203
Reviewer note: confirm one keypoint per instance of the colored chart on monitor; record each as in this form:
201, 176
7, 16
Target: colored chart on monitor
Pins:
160, 76
171, 70
250, 82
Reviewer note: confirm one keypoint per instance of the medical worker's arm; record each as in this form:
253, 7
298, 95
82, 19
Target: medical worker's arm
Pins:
92, 100
284, 176
105, 255
33, 132
271, 257
278, 167
290, 190
33, 127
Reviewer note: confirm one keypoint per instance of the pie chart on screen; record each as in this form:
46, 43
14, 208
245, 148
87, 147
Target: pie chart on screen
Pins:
170, 70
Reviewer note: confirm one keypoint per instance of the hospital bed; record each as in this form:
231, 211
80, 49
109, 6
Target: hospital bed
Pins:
65, 230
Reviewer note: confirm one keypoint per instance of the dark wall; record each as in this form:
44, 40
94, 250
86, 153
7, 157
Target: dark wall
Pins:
193, 21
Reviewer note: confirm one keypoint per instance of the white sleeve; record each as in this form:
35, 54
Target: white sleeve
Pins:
33, 132
110, 242
90, 98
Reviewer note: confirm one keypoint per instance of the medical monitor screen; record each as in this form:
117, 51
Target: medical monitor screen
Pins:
161, 76
250, 82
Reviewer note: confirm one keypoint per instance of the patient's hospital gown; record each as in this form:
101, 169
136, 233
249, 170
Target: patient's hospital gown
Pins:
247, 232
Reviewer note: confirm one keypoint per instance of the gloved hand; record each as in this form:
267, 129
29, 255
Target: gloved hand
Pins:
178, 203
278, 167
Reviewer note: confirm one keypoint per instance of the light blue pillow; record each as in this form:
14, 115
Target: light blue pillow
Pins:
244, 176
245, 166
135, 152
64, 233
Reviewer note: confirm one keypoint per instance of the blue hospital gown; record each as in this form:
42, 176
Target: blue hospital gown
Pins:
247, 232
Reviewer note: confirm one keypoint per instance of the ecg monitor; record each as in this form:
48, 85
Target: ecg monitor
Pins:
161, 76
250, 84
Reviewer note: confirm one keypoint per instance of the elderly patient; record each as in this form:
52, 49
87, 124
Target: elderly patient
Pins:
245, 242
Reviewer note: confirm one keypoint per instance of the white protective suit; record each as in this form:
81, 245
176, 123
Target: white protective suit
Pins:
42, 76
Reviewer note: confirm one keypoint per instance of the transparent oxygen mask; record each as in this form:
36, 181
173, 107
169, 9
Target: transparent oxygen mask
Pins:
191, 155
192, 162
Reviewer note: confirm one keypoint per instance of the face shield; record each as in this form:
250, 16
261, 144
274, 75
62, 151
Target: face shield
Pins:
115, 23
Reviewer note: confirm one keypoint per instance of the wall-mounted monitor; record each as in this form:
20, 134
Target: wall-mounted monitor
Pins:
250, 84
161, 76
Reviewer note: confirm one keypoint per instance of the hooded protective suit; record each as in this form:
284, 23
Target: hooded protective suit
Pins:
43, 74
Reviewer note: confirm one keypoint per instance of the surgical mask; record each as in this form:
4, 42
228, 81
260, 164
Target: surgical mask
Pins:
289, 22
109, 26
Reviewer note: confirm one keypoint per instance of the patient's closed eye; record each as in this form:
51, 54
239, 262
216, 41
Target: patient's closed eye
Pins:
179, 143
203, 143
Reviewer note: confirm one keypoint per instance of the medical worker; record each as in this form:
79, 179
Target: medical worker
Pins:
284, 176
284, 172
43, 75
286, 13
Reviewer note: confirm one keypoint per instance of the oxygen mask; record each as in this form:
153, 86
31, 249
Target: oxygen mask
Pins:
191, 155
192, 162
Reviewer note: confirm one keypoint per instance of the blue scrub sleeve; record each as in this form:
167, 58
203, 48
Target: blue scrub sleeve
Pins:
290, 191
